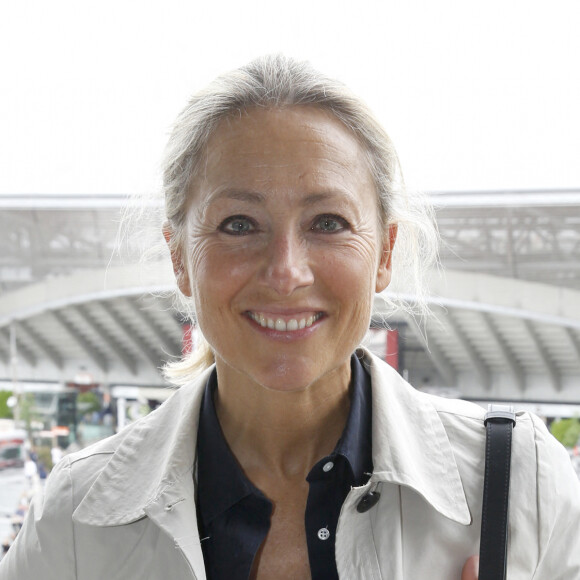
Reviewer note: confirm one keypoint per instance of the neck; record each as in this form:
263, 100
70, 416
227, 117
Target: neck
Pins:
282, 433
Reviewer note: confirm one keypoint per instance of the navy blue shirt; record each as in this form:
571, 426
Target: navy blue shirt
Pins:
234, 515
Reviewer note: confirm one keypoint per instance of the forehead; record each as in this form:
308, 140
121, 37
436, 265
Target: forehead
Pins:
301, 146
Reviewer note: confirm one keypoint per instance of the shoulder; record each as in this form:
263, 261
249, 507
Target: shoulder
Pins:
535, 452
457, 415
390, 389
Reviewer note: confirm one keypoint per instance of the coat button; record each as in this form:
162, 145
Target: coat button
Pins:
368, 501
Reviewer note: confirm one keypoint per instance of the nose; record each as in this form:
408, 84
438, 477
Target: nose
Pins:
287, 266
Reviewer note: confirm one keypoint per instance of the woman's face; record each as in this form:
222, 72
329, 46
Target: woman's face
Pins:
284, 251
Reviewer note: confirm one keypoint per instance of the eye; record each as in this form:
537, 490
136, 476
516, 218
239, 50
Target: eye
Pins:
329, 224
238, 225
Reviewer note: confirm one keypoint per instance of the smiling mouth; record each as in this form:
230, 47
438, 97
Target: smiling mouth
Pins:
282, 325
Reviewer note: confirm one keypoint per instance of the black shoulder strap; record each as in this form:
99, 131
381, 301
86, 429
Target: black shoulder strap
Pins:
499, 422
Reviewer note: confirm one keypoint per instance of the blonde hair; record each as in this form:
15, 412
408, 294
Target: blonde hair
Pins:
276, 81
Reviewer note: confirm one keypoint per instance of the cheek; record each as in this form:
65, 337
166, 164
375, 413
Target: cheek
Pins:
356, 261
216, 272
349, 274
203, 274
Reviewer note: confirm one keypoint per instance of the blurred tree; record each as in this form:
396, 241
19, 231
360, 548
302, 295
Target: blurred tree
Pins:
5, 410
28, 413
88, 402
566, 431
44, 456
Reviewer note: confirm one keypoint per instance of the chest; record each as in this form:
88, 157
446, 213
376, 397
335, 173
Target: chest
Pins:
284, 552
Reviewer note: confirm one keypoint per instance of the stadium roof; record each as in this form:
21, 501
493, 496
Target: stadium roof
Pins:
506, 321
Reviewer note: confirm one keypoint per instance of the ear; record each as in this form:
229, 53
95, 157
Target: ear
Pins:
179, 269
385, 262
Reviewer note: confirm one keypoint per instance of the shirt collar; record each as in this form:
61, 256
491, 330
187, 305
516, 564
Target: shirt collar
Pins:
355, 444
221, 481
410, 447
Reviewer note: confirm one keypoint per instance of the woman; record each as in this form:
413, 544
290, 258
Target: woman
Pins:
297, 454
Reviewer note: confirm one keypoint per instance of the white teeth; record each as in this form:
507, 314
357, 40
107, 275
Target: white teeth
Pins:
281, 326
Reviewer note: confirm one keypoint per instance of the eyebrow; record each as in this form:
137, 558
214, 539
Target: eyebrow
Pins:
237, 194
315, 198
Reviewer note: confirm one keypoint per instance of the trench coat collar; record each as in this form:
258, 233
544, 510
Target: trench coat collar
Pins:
410, 448
151, 470
410, 444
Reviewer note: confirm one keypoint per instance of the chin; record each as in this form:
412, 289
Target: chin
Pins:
287, 376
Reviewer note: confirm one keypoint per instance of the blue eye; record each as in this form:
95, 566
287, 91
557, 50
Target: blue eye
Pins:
329, 224
237, 225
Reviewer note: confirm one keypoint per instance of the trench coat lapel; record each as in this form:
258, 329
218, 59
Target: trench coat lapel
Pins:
174, 511
410, 444
151, 474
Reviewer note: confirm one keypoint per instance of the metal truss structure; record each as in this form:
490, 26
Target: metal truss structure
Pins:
532, 236
47, 236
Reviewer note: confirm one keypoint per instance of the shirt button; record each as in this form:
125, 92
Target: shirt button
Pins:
327, 466
323, 534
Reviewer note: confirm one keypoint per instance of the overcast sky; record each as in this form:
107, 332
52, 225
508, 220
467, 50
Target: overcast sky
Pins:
476, 95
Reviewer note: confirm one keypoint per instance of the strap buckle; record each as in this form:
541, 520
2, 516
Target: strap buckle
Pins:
495, 411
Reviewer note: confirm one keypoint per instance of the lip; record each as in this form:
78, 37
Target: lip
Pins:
287, 323
283, 312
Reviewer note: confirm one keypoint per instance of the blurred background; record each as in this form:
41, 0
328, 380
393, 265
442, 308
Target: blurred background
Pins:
481, 100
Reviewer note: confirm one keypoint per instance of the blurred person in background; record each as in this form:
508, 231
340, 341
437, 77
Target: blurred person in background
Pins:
290, 451
30, 471
56, 454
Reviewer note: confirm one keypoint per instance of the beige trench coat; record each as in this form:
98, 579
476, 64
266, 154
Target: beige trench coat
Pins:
125, 507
